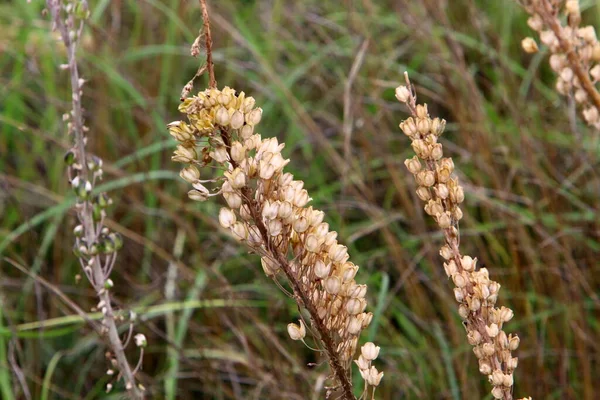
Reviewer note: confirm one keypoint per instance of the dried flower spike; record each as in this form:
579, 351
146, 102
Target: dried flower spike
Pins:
268, 211
575, 52
475, 292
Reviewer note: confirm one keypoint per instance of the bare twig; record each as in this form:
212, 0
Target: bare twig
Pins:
95, 246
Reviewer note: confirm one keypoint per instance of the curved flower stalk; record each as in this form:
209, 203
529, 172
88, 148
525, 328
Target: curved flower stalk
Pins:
575, 52
95, 246
268, 211
475, 292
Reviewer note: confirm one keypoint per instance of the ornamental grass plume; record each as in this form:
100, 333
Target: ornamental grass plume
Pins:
95, 246
575, 52
474, 291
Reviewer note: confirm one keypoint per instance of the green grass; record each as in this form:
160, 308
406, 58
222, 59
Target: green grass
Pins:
530, 214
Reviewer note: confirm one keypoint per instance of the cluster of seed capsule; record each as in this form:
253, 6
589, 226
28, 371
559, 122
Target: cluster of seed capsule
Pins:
267, 210
474, 291
561, 40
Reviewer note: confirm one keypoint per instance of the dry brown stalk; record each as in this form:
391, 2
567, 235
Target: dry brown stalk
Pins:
267, 211
95, 246
575, 52
474, 291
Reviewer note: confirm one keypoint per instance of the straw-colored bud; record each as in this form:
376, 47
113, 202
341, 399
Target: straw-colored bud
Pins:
234, 200
300, 225
254, 117
535, 22
190, 174
219, 154
374, 377
498, 392
301, 198
226, 217
322, 270
237, 119
591, 115
450, 268
402, 94
198, 195
354, 306
492, 330
238, 152
413, 165
422, 111
349, 271
484, 367
338, 253
363, 363
474, 338
275, 227
297, 332
529, 45
240, 231
222, 116
238, 179
354, 326
270, 210
513, 342
459, 295
246, 131
423, 193
587, 33
444, 220
369, 351
333, 285
468, 263
184, 154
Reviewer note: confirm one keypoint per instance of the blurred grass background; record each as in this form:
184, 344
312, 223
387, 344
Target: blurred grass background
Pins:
215, 323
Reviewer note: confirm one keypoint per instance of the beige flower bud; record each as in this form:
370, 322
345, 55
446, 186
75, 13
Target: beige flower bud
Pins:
484, 367
222, 116
369, 351
374, 377
529, 45
535, 22
338, 253
409, 127
198, 195
254, 117
321, 269
300, 225
492, 330
354, 326
184, 155
363, 363
450, 268
422, 111
444, 220
246, 131
237, 119
275, 227
423, 193
190, 174
349, 271
297, 332
333, 285
226, 217
413, 165
513, 342
402, 94
498, 392
301, 198
240, 231
312, 243
219, 154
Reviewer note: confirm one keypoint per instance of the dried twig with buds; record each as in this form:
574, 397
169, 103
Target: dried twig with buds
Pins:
267, 211
95, 246
575, 52
475, 292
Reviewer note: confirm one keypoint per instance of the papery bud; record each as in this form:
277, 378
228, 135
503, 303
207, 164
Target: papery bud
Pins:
354, 326
198, 195
240, 231
402, 94
246, 131
413, 165
423, 193
226, 217
300, 225
369, 351
238, 152
349, 271
374, 377
322, 270
354, 306
285, 210
254, 117
338, 253
529, 45
362, 363
275, 227
422, 111
190, 174
270, 210
233, 199
297, 332
237, 119
535, 22
222, 116
513, 342
219, 154
333, 285
184, 155
492, 330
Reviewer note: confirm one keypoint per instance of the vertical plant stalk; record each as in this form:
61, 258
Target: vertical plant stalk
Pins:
267, 211
95, 246
575, 52
474, 291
